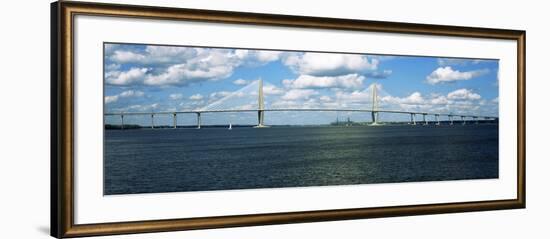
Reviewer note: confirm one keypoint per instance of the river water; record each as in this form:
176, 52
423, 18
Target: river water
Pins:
180, 160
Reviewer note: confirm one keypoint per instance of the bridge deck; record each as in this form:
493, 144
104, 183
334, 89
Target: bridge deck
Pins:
299, 110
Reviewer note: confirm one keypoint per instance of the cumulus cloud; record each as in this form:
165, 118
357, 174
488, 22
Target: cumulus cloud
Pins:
447, 74
125, 94
457, 101
379, 74
460, 97
257, 56
110, 99
207, 65
457, 61
169, 54
184, 74
325, 98
150, 55
139, 108
196, 97
350, 81
300, 103
132, 93
180, 66
125, 77
463, 94
286, 104
267, 56
298, 94
272, 90
121, 56
323, 64
357, 96
364, 99
204, 64
439, 100
219, 94
112, 67
240, 82
176, 96
414, 98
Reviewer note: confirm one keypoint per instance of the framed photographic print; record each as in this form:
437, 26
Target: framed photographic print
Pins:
170, 119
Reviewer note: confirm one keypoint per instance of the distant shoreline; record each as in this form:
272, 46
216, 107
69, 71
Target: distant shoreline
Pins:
354, 124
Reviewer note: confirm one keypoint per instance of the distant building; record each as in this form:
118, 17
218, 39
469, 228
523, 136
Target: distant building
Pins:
348, 122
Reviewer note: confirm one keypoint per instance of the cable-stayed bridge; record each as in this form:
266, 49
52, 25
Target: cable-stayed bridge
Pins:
257, 105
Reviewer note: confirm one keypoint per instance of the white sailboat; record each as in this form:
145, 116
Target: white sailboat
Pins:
230, 126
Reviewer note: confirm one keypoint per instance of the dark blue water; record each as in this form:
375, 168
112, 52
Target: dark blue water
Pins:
178, 160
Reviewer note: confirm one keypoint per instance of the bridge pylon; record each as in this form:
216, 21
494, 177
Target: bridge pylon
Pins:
374, 112
198, 120
261, 105
424, 119
413, 119
175, 120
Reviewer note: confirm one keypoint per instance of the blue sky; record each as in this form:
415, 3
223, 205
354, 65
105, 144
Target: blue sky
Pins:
151, 78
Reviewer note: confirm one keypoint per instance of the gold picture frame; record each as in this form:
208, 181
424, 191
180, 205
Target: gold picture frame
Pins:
62, 128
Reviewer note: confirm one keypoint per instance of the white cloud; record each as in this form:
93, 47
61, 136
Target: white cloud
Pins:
183, 74
181, 66
240, 82
176, 96
439, 100
297, 94
457, 61
173, 65
323, 64
458, 101
447, 74
379, 75
134, 75
267, 56
132, 93
219, 94
325, 98
463, 94
300, 103
121, 56
253, 57
111, 99
207, 65
124, 94
139, 108
351, 81
250, 106
286, 104
168, 54
109, 48
151, 55
414, 98
357, 96
112, 67
196, 97
272, 90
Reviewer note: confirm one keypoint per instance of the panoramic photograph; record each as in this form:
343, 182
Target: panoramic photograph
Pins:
202, 118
